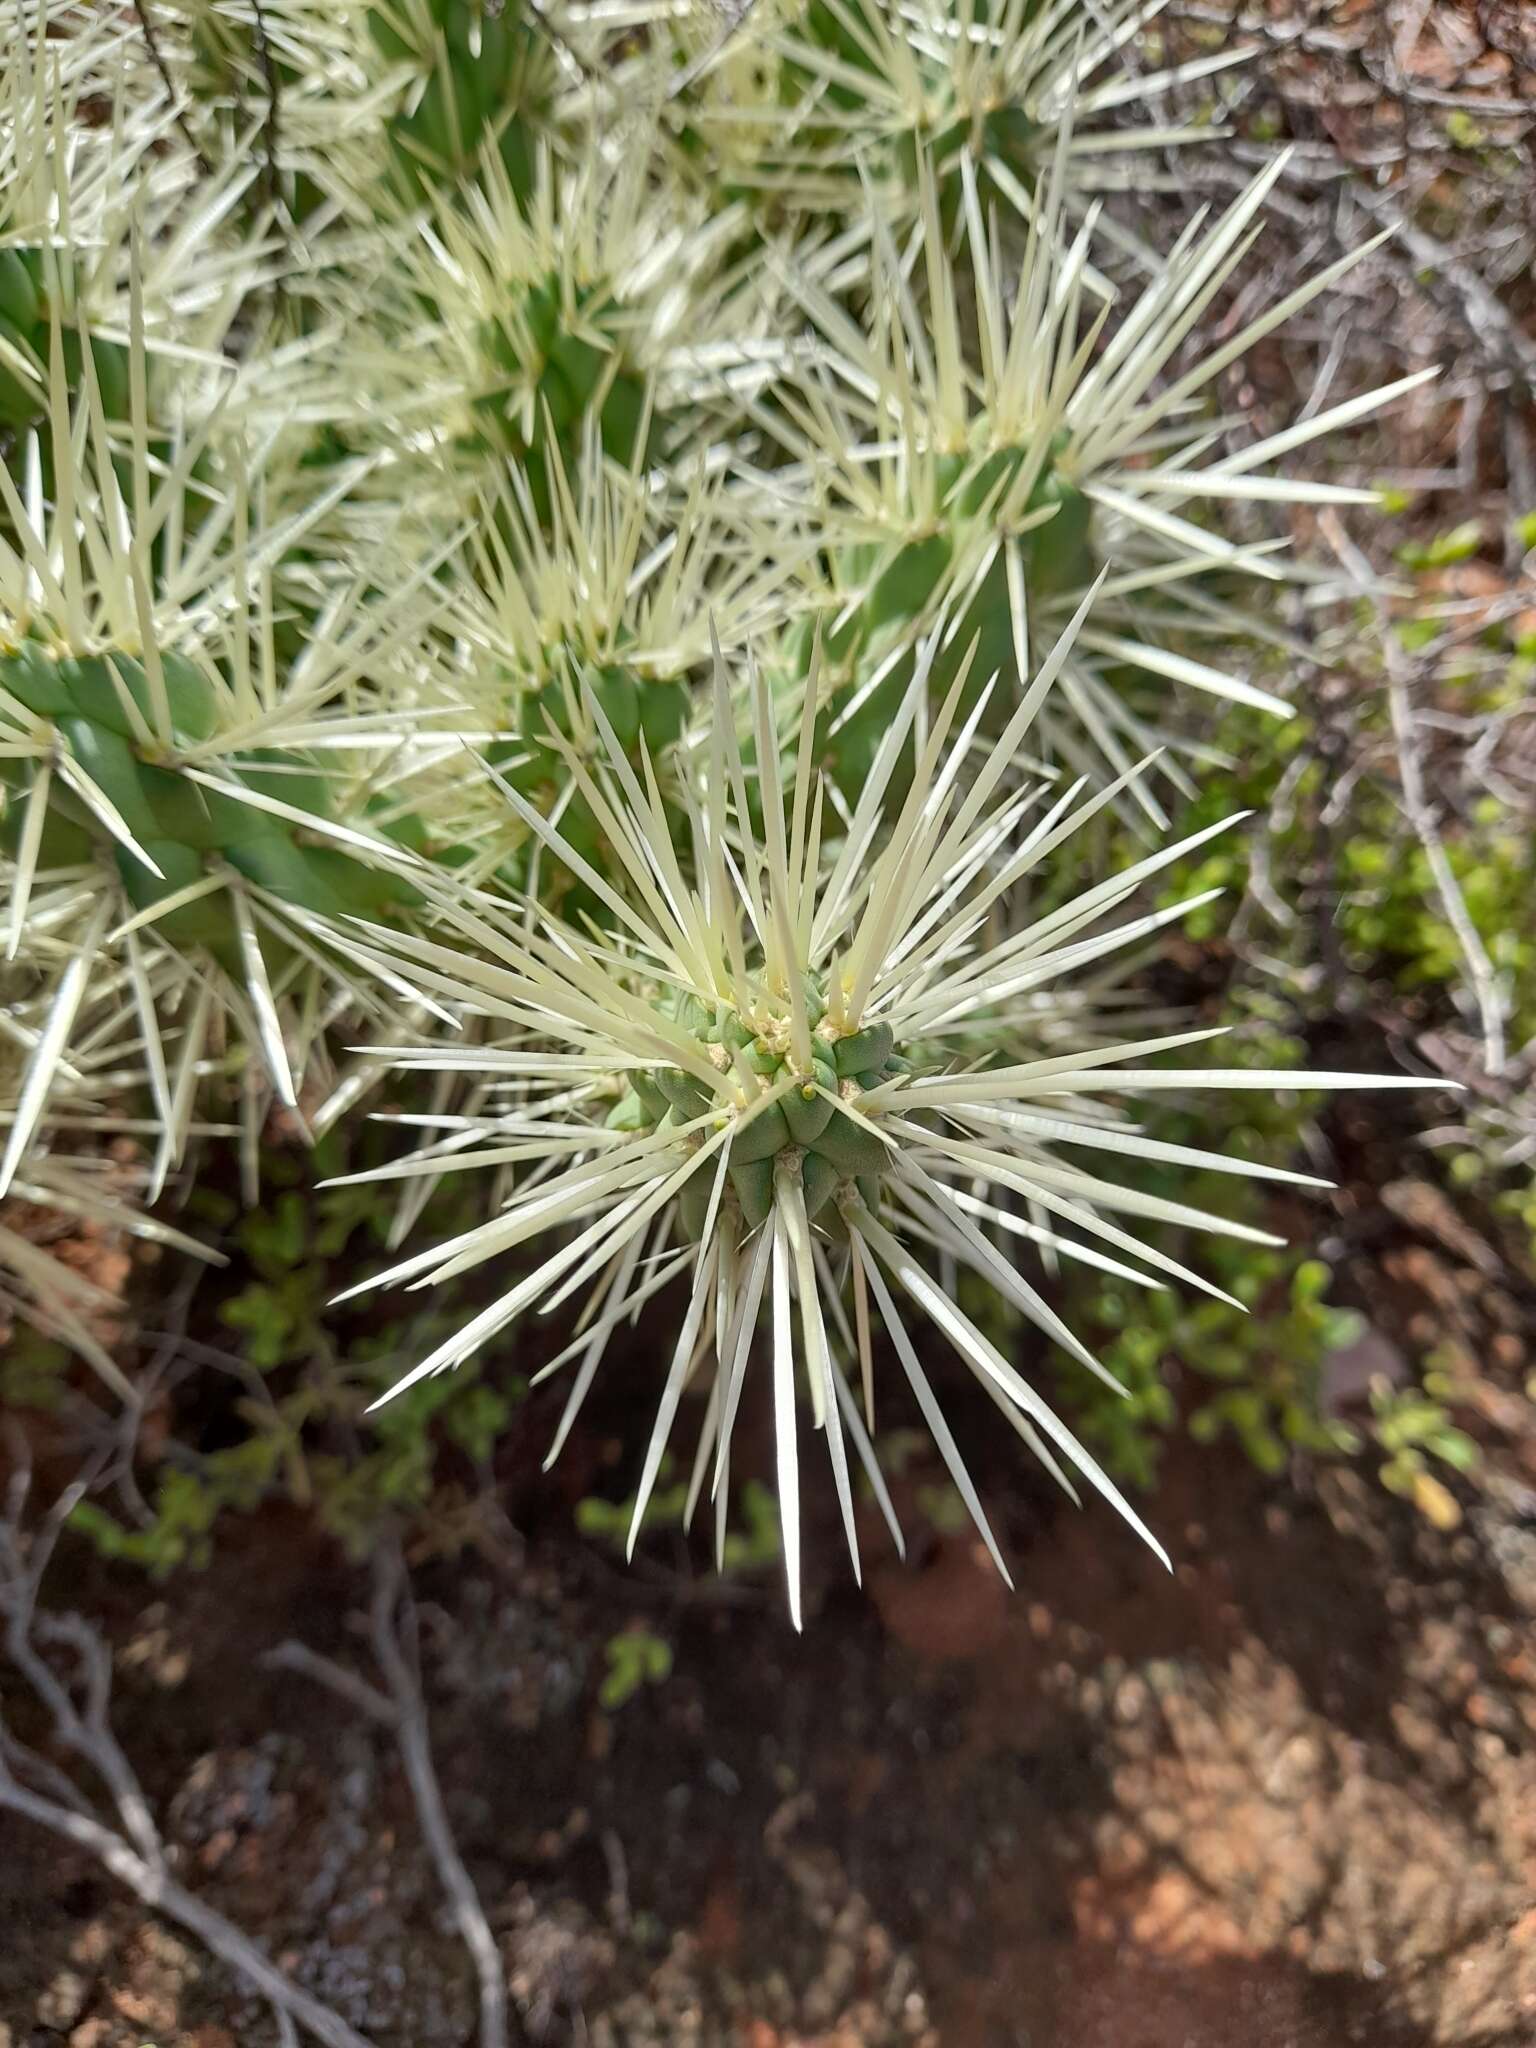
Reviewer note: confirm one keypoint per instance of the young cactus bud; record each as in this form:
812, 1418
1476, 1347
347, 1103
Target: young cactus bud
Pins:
806, 1108
863, 1050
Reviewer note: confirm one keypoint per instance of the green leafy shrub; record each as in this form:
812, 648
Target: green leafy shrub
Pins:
635, 1659
1411, 1427
299, 1382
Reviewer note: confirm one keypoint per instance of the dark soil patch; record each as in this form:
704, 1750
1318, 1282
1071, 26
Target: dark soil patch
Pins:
1285, 1795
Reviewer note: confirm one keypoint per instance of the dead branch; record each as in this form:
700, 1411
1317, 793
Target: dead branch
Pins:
271, 127
1488, 991
78, 1707
1494, 332
357, 1692
394, 1637
178, 112
162, 1894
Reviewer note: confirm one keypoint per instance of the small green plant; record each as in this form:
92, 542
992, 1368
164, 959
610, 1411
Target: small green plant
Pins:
1394, 917
1266, 1345
611, 1521
1271, 1364
943, 1509
1458, 544
298, 1381
752, 1546
635, 1659
1411, 1429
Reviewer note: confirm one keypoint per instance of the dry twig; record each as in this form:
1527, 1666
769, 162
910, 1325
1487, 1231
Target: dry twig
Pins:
1495, 334
394, 1636
78, 1706
178, 111
1487, 988
271, 127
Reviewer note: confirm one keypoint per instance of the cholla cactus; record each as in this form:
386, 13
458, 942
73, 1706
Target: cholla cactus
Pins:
416, 409
602, 590
478, 81
816, 98
100, 197
996, 494
496, 323
176, 783
290, 90
785, 1083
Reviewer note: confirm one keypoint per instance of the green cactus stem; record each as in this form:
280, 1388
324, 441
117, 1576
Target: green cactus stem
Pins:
806, 1128
99, 712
